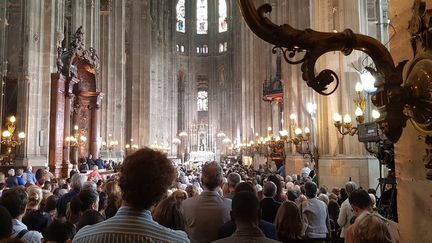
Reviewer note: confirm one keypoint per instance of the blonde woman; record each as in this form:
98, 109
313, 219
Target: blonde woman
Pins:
371, 227
35, 218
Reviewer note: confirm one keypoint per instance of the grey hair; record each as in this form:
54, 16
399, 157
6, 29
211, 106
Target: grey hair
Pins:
11, 172
89, 185
350, 186
233, 179
77, 180
269, 189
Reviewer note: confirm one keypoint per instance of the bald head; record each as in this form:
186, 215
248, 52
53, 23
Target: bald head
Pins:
211, 175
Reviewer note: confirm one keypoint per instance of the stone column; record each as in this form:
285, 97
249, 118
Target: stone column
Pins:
3, 47
86, 13
57, 121
414, 215
113, 71
95, 128
67, 127
138, 49
39, 42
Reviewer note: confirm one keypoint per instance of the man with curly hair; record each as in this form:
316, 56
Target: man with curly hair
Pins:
144, 179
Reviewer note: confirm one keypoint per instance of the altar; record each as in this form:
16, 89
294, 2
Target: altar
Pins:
201, 156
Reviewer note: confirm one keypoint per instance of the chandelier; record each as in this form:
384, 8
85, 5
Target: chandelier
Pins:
77, 140
10, 139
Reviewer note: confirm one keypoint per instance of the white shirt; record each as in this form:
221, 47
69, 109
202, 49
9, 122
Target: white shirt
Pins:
29, 237
305, 172
345, 215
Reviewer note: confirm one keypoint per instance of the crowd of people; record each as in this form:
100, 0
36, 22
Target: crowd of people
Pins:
153, 200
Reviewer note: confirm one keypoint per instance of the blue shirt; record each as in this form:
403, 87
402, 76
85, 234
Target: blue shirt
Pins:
130, 225
21, 181
30, 177
29, 237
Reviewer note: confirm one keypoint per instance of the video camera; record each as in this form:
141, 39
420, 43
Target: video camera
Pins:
370, 133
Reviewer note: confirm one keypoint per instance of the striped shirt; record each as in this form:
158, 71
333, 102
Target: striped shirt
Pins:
129, 225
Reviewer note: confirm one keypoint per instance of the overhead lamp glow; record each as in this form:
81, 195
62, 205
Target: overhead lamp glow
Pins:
358, 112
359, 87
311, 108
368, 82
337, 117
6, 134
283, 133
293, 116
375, 114
347, 119
307, 130
12, 119
21, 135
298, 131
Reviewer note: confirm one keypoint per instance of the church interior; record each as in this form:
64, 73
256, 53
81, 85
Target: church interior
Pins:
228, 81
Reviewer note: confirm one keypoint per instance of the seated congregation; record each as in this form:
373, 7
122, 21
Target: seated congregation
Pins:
152, 200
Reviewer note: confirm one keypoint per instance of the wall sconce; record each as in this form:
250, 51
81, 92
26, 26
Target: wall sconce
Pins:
9, 138
345, 126
396, 98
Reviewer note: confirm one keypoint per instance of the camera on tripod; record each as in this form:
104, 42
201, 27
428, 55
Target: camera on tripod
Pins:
384, 152
370, 133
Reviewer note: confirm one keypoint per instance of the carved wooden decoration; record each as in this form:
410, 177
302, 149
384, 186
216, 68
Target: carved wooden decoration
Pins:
75, 101
392, 97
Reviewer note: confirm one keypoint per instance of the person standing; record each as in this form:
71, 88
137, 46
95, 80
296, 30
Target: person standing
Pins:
369, 226
11, 180
206, 213
15, 201
29, 176
306, 170
246, 211
346, 212
76, 183
314, 213
269, 206
145, 178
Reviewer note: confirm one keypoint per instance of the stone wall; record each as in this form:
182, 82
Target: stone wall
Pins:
414, 191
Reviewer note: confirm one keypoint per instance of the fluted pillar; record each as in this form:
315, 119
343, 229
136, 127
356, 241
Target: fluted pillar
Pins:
113, 71
86, 13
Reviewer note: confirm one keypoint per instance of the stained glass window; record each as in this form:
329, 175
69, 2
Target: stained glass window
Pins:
202, 23
181, 13
223, 20
202, 101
